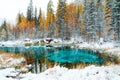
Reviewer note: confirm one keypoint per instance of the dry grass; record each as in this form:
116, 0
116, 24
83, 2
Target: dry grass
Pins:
110, 59
1, 51
11, 55
7, 59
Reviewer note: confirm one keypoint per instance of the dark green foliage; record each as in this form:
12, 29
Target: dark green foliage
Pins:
28, 44
4, 35
116, 18
61, 10
30, 11
19, 18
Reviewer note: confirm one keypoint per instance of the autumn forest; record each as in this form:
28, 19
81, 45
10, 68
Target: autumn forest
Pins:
89, 20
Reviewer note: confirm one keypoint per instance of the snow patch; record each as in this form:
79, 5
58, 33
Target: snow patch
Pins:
111, 72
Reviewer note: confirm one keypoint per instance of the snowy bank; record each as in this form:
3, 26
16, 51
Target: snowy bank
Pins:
106, 48
60, 73
11, 60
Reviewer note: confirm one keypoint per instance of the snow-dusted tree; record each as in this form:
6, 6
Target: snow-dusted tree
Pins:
94, 20
116, 19
36, 28
42, 24
30, 11
99, 19
50, 20
80, 19
19, 18
9, 31
60, 18
108, 12
71, 21
19, 26
90, 16
36, 19
30, 20
4, 31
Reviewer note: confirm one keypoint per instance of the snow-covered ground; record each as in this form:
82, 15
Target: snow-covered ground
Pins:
9, 60
60, 73
12, 43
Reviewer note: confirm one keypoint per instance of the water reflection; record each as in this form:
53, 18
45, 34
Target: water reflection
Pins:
43, 57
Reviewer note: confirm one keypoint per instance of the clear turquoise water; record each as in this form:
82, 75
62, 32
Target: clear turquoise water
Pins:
61, 55
74, 56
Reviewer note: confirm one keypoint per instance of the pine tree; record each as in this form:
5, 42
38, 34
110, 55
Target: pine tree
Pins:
41, 22
19, 26
80, 19
36, 28
116, 19
99, 19
108, 13
30, 11
40, 19
94, 20
19, 18
60, 18
78, 16
50, 12
90, 28
4, 31
36, 19
50, 20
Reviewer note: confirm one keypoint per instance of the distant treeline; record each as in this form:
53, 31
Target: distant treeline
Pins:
89, 20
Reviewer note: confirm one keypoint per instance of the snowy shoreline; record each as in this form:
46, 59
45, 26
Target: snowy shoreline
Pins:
105, 49
111, 72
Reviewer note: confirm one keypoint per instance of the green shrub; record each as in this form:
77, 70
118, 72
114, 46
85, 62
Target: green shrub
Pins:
73, 44
28, 44
36, 43
42, 43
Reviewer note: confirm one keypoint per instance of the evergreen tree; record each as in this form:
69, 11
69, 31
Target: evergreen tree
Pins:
41, 22
94, 20
90, 28
108, 13
50, 20
30, 11
37, 28
40, 19
79, 19
19, 18
60, 18
99, 19
36, 19
78, 15
4, 31
19, 26
116, 19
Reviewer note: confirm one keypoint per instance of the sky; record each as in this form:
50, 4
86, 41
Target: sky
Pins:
10, 8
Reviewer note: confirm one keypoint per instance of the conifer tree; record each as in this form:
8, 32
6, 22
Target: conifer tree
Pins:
60, 18
116, 19
30, 11
50, 20
4, 31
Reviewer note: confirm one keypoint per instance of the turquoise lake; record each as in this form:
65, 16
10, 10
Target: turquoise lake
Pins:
57, 54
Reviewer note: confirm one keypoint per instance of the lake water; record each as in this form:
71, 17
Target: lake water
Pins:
61, 55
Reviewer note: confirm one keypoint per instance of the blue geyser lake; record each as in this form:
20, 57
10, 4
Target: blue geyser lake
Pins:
74, 56
57, 54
